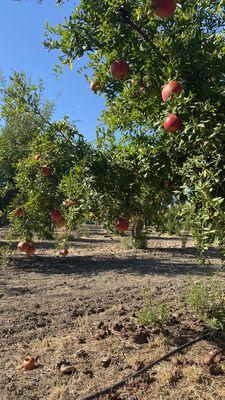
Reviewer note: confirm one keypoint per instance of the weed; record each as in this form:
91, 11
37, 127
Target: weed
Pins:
208, 300
154, 313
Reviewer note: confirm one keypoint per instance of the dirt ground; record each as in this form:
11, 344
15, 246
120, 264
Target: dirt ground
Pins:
81, 311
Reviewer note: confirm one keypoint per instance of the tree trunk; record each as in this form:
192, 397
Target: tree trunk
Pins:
139, 236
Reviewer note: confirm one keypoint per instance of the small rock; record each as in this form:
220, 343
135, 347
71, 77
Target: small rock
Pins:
122, 309
101, 334
105, 363
67, 369
100, 324
175, 319
81, 340
88, 372
118, 326
81, 353
141, 337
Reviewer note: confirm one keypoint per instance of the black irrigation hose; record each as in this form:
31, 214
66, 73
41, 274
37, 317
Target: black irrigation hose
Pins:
123, 382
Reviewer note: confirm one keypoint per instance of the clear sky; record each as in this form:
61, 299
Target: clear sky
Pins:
21, 34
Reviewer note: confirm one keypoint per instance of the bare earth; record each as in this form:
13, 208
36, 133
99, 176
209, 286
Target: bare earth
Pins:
53, 307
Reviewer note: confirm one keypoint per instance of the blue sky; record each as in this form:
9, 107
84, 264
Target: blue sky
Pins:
21, 34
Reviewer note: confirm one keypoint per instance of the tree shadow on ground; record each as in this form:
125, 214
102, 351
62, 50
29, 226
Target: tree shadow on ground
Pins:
150, 264
191, 251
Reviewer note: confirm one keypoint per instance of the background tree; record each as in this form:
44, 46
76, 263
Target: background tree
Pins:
20, 126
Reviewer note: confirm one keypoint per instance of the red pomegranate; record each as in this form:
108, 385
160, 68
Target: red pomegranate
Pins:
23, 246
63, 252
37, 157
19, 212
173, 123
119, 70
122, 225
165, 8
56, 215
171, 89
47, 171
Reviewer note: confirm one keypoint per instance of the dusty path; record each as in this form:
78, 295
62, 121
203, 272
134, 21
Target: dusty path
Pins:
49, 304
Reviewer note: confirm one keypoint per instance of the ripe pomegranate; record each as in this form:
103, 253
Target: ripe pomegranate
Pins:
171, 89
37, 157
19, 212
173, 123
23, 246
119, 70
95, 86
64, 252
31, 249
60, 223
165, 8
122, 225
47, 171
56, 215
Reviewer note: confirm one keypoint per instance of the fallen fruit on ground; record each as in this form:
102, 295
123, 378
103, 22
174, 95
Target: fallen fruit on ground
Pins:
29, 363
64, 252
122, 225
23, 246
172, 89
31, 248
173, 123
209, 358
119, 70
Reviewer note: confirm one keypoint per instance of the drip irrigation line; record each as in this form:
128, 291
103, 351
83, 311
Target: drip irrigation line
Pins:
124, 381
